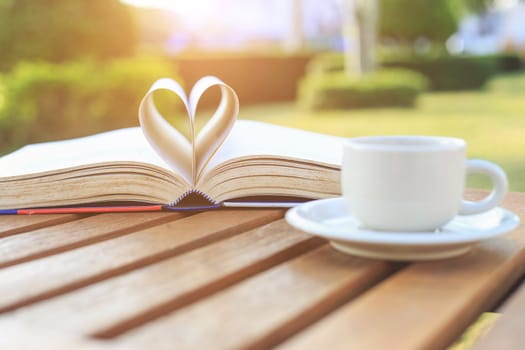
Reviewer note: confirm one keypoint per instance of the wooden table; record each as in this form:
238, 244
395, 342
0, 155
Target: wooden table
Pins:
240, 278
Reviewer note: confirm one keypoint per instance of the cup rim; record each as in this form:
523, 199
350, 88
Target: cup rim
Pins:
405, 143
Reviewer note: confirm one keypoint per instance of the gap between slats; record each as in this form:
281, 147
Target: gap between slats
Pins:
208, 235
125, 301
15, 224
427, 304
56, 239
507, 332
322, 308
21, 336
267, 308
209, 289
429, 299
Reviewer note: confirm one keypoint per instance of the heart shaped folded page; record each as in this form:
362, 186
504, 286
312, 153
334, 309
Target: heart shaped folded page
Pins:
188, 157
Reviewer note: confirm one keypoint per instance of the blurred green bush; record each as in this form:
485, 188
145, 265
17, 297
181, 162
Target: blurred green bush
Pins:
325, 63
443, 72
383, 88
449, 73
64, 30
46, 101
506, 62
409, 20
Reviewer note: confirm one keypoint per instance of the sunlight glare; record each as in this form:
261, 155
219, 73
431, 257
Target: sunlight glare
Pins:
185, 8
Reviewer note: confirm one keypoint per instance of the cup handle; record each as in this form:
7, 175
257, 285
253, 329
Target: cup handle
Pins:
499, 181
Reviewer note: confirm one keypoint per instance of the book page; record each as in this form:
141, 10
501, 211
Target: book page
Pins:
213, 134
188, 157
250, 138
113, 146
168, 142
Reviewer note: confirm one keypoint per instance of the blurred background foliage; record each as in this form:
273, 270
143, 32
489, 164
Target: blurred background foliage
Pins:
61, 30
70, 68
50, 101
410, 20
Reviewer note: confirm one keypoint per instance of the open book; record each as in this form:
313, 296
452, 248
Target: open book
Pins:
229, 162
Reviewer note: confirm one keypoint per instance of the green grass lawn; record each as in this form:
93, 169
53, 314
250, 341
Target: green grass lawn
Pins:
492, 121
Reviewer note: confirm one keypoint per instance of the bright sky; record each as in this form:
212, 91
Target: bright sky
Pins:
267, 17
191, 7
236, 23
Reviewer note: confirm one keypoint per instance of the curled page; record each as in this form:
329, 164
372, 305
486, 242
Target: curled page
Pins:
213, 134
168, 142
188, 157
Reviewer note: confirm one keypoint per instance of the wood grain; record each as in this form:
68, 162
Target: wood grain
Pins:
430, 303
261, 311
13, 224
508, 332
42, 278
20, 336
114, 305
240, 279
55, 239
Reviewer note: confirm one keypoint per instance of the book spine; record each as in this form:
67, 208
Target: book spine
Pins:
82, 210
185, 195
194, 208
8, 212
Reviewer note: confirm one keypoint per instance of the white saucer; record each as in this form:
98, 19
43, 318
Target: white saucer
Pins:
329, 218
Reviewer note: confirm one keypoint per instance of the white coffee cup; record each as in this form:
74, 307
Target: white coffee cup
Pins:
412, 183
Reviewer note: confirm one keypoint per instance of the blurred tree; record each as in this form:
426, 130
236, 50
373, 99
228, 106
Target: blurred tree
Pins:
61, 30
295, 38
359, 35
476, 6
465, 7
410, 20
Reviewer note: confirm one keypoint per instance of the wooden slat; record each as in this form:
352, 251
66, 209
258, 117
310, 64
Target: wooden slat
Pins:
508, 332
118, 303
201, 282
13, 224
260, 311
43, 278
19, 336
52, 240
428, 303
